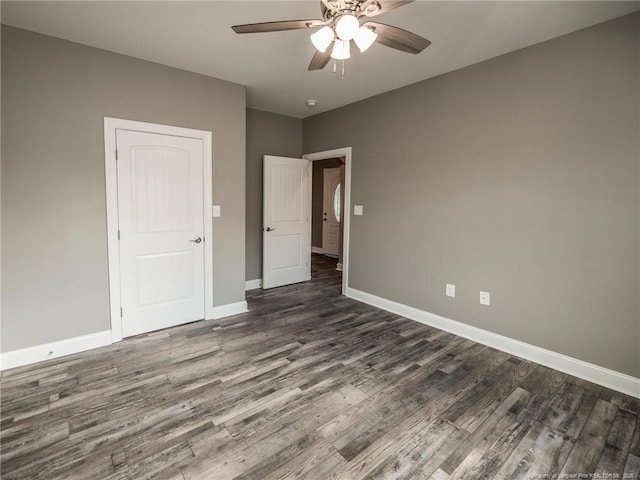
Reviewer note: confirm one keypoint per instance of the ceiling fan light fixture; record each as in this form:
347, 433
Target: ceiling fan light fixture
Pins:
322, 38
365, 38
341, 50
347, 27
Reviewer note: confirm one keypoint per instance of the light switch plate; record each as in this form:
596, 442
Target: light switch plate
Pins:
357, 209
215, 211
450, 290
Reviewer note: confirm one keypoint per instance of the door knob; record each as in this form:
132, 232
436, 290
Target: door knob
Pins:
269, 229
197, 240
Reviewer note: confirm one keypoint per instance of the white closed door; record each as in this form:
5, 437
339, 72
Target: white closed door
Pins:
286, 221
160, 216
331, 211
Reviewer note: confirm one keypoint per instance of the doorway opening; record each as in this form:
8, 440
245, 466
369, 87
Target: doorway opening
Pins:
287, 217
327, 225
338, 201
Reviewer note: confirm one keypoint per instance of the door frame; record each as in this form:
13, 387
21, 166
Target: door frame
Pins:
111, 126
346, 153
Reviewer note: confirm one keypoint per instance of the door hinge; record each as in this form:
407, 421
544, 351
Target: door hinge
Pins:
118, 234
120, 312
116, 154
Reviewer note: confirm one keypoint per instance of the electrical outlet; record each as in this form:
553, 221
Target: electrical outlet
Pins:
450, 290
485, 298
357, 209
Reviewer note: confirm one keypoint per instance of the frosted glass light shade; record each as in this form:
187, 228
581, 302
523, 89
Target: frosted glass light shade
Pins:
341, 50
365, 38
322, 38
347, 27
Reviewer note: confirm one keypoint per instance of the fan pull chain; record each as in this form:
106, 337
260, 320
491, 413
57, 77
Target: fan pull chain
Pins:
335, 68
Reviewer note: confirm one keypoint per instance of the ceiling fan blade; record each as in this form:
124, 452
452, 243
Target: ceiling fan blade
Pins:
276, 26
398, 38
320, 60
385, 6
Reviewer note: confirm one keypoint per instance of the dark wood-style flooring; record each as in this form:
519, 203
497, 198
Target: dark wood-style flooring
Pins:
310, 385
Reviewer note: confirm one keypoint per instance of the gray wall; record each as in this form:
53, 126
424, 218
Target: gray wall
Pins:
518, 176
54, 242
267, 134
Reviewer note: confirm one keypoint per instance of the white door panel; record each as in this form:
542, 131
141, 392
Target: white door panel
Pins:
286, 223
331, 221
160, 202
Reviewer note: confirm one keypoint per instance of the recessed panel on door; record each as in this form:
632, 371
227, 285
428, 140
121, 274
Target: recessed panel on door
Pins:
286, 191
286, 252
153, 288
161, 190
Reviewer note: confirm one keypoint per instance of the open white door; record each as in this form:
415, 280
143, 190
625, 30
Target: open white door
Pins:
286, 221
331, 211
161, 229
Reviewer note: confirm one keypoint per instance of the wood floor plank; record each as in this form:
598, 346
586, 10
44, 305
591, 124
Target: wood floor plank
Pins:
484, 405
303, 463
571, 407
502, 418
632, 467
308, 385
400, 464
485, 462
618, 444
542, 452
543, 383
385, 446
591, 442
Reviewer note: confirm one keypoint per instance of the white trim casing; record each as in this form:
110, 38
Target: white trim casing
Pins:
228, 310
593, 373
48, 351
317, 250
253, 284
111, 125
346, 153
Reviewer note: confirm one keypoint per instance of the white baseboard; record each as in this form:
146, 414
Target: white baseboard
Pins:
317, 250
230, 309
39, 353
339, 267
253, 284
602, 376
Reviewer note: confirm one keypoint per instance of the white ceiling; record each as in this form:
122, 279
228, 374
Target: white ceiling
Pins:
196, 36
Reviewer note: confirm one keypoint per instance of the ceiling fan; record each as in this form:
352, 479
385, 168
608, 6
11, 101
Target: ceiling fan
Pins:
341, 23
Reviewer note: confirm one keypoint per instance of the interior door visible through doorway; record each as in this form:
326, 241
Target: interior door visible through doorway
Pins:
286, 221
161, 230
331, 211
